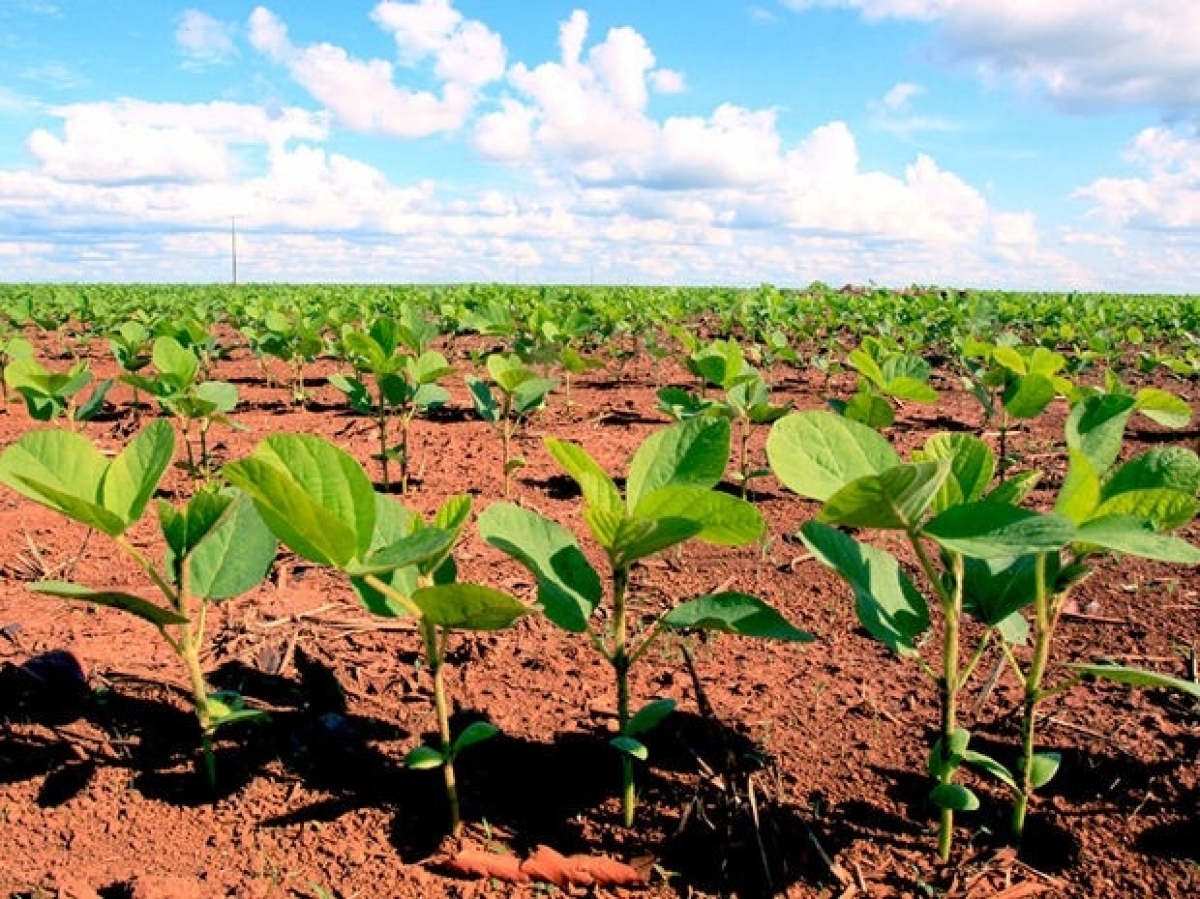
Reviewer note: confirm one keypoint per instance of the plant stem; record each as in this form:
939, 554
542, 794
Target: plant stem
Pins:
620, 661
436, 658
1045, 615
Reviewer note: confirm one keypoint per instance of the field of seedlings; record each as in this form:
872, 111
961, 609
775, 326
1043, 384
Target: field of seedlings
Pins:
483, 590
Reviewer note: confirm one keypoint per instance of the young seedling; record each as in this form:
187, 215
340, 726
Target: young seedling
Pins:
885, 376
405, 386
50, 394
131, 348
521, 393
12, 348
216, 547
669, 499
320, 503
966, 541
194, 403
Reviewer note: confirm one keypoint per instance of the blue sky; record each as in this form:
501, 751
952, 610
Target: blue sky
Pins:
1017, 144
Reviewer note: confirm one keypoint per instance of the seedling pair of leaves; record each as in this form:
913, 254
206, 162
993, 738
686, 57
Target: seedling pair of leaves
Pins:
518, 392
293, 338
669, 499
50, 395
320, 503
993, 559
216, 547
747, 399
182, 394
404, 383
885, 376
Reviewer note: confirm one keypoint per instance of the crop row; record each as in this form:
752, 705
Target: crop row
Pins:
978, 548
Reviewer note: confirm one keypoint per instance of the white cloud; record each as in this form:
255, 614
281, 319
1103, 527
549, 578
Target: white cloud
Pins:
204, 40
363, 94
898, 97
668, 81
893, 112
1165, 198
1083, 54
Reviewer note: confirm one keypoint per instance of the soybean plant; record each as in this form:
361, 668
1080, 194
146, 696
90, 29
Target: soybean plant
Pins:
521, 393
216, 547
669, 498
319, 502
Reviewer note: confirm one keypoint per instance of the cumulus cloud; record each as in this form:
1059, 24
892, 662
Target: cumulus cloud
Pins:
204, 40
363, 94
1166, 197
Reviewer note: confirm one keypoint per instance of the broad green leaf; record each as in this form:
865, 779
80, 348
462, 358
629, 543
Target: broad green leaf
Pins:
972, 467
423, 548
454, 513
1163, 407
568, 586
1010, 358
636, 537
733, 613
725, 520
995, 589
481, 397
318, 500
989, 530
691, 453
863, 363
222, 395
888, 605
530, 394
992, 767
906, 388
1016, 489
126, 602
1043, 768
134, 473
649, 716
867, 408
234, 555
176, 364
955, 797
64, 471
1028, 396
598, 488
816, 453
629, 746
423, 758
1163, 467
1080, 492
1136, 537
894, 499
1137, 677
1046, 362
474, 733
299, 521
1165, 509
471, 607
1096, 427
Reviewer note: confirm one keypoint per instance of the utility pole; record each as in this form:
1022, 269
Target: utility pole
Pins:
233, 246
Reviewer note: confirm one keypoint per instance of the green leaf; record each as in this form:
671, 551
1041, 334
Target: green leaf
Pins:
1080, 492
471, 607
481, 397
816, 453
1136, 537
1163, 407
691, 453
1028, 396
909, 388
126, 602
1165, 509
734, 613
423, 758
1096, 427
474, 733
63, 471
955, 797
725, 520
1043, 768
1163, 467
649, 716
1137, 677
943, 760
988, 530
972, 467
637, 538
995, 589
1017, 488
313, 495
888, 605
568, 586
134, 473
630, 747
423, 548
598, 488
176, 365
896, 498
234, 555
992, 767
